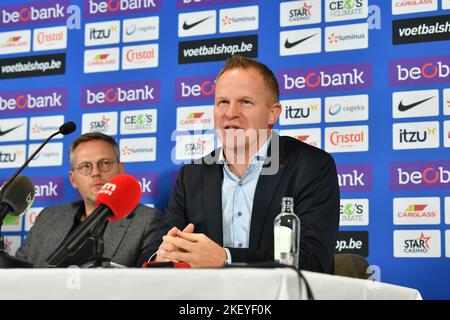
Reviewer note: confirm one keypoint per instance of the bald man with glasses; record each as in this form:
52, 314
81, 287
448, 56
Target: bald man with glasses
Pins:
94, 159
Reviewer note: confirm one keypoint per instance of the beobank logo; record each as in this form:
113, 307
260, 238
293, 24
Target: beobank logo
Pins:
19, 15
419, 71
433, 175
115, 94
354, 76
195, 89
106, 8
33, 101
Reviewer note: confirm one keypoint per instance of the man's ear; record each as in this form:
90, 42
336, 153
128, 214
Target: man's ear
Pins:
275, 111
72, 179
121, 167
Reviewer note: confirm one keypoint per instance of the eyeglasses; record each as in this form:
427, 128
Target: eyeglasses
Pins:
85, 168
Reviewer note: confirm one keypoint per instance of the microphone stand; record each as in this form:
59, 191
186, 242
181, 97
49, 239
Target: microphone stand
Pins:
98, 248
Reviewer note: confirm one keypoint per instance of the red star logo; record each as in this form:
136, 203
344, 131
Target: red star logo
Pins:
307, 7
426, 239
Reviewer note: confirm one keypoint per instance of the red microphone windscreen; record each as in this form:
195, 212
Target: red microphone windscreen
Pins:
121, 194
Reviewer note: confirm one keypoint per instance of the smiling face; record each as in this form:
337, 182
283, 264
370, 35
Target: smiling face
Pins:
245, 110
91, 152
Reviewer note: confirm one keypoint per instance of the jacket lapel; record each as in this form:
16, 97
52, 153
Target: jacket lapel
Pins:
268, 181
212, 201
113, 236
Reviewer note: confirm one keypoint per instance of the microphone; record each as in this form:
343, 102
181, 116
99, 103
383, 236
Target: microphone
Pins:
115, 200
17, 199
65, 129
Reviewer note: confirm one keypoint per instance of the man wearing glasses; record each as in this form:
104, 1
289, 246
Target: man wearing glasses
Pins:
94, 159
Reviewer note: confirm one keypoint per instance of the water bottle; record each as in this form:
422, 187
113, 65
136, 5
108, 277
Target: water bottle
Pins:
287, 234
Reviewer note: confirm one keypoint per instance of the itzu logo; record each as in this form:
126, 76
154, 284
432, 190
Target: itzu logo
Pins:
417, 243
33, 14
12, 156
331, 78
36, 100
420, 175
131, 93
105, 8
300, 111
419, 71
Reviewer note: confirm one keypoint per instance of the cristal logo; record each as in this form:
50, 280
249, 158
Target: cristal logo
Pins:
189, 89
338, 138
97, 7
115, 94
140, 55
302, 13
419, 245
46, 38
37, 12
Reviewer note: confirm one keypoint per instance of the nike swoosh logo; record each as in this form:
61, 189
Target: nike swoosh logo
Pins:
405, 107
190, 26
289, 45
2, 133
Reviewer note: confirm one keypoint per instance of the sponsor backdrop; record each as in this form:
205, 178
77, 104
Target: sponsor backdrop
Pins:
366, 81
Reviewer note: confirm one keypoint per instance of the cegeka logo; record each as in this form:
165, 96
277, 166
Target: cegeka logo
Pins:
140, 29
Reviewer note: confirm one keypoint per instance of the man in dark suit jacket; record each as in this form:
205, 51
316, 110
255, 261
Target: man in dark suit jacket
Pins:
94, 159
231, 197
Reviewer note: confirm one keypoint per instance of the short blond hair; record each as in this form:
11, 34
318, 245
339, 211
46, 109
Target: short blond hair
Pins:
240, 62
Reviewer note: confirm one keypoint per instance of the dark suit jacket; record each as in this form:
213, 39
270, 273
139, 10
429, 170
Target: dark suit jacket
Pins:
304, 172
123, 239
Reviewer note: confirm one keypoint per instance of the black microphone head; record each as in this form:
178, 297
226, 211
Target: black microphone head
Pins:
19, 195
67, 128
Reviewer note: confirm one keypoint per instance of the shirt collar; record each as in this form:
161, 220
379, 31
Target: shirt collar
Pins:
259, 156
